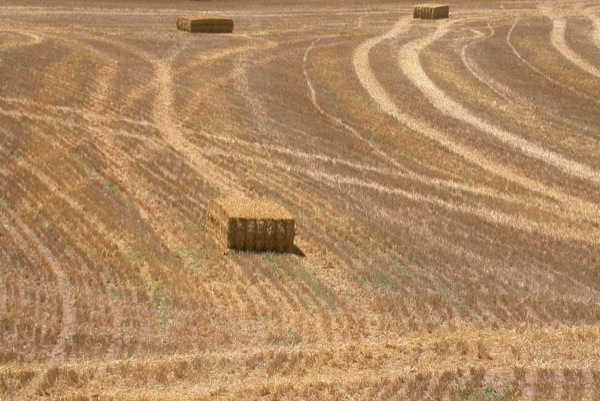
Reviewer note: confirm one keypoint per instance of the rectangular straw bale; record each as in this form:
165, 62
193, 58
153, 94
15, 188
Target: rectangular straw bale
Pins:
440, 11
250, 225
431, 11
205, 24
416, 12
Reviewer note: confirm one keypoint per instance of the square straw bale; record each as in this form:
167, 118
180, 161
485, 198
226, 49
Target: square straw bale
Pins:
205, 24
431, 11
250, 225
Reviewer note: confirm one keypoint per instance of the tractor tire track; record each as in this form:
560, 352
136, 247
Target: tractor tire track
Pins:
596, 32
404, 172
543, 74
4, 263
558, 40
509, 95
289, 191
411, 66
142, 196
387, 106
500, 90
33, 40
30, 245
118, 163
172, 131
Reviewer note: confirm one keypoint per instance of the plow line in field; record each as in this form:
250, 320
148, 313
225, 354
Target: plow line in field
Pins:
379, 94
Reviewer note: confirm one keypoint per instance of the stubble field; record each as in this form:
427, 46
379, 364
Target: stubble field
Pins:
444, 176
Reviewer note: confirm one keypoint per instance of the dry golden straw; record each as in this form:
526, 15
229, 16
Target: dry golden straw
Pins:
205, 24
250, 225
431, 11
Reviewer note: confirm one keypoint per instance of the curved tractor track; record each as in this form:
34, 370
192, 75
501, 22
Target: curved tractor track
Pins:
445, 177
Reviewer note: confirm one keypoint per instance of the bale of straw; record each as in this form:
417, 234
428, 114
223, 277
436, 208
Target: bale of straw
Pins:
431, 11
250, 225
205, 24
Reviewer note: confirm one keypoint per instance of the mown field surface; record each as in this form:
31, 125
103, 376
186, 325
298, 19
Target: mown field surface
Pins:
444, 176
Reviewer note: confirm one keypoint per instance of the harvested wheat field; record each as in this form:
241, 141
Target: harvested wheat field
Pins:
443, 177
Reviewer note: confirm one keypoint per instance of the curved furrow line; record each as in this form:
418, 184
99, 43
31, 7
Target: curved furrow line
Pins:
259, 157
313, 238
500, 90
379, 95
96, 104
171, 131
558, 40
506, 92
470, 276
112, 61
221, 146
31, 246
313, 97
208, 57
404, 172
3, 279
200, 60
255, 107
188, 110
50, 112
288, 188
82, 274
33, 40
596, 32
543, 74
411, 66
589, 235
135, 93
484, 213
118, 162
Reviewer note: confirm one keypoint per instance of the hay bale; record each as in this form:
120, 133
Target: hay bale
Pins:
205, 24
431, 11
250, 225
